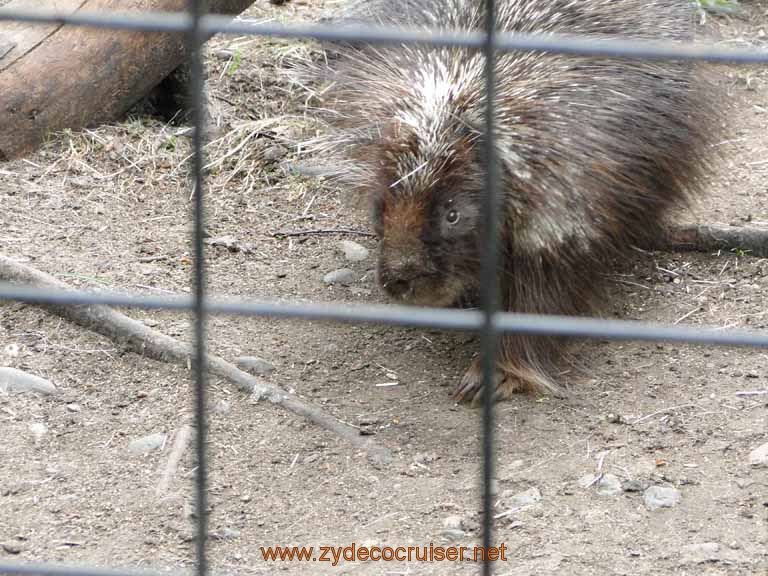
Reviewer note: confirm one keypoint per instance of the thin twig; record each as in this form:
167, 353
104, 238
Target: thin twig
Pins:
147, 259
285, 233
180, 443
662, 411
686, 315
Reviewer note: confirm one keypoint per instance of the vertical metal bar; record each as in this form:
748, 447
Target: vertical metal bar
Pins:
489, 295
195, 42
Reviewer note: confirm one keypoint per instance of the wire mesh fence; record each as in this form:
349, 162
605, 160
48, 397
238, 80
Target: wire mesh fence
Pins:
196, 25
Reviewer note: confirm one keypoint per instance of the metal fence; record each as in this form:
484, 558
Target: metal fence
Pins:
197, 26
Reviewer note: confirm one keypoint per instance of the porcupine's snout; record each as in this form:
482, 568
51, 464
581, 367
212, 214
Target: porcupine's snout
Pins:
409, 273
401, 251
401, 271
405, 270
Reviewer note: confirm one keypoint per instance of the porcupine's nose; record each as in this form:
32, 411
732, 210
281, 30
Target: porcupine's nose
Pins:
398, 288
398, 276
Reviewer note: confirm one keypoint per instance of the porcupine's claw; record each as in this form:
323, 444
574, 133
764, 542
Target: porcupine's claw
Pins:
470, 388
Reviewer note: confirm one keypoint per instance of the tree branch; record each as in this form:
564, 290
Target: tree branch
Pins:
143, 340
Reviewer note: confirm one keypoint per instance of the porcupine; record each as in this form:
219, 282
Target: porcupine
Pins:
593, 152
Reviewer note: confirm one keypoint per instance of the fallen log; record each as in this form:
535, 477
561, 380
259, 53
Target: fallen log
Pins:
54, 77
705, 238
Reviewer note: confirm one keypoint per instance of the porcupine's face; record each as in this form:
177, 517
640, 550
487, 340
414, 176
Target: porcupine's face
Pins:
426, 210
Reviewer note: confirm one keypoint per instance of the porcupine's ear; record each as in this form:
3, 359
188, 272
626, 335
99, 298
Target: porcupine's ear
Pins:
472, 129
512, 167
512, 164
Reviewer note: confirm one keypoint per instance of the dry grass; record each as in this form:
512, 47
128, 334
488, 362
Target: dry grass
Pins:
256, 117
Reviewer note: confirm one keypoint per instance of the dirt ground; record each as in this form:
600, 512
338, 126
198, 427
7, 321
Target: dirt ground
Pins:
108, 209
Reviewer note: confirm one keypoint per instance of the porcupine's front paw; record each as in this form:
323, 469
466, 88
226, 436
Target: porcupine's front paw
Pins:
470, 388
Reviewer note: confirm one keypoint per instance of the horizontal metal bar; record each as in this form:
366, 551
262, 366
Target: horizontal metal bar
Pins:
447, 319
635, 49
35, 569
627, 330
52, 570
505, 42
178, 22
115, 20
348, 33
390, 315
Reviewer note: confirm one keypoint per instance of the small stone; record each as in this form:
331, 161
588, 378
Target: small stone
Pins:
605, 484
700, 553
759, 456
353, 251
255, 365
222, 407
752, 375
744, 482
147, 444
11, 547
231, 243
452, 535
149, 269
74, 407
425, 458
453, 523
632, 486
273, 153
656, 497
188, 534
357, 291
38, 430
340, 276
13, 380
309, 458
526, 498
11, 350
227, 534
609, 485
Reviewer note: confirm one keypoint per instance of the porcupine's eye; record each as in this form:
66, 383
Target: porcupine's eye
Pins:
452, 217
451, 214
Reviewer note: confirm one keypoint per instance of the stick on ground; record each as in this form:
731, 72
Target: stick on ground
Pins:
143, 340
752, 241
322, 231
181, 440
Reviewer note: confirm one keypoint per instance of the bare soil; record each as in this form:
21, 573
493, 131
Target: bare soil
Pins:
95, 208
